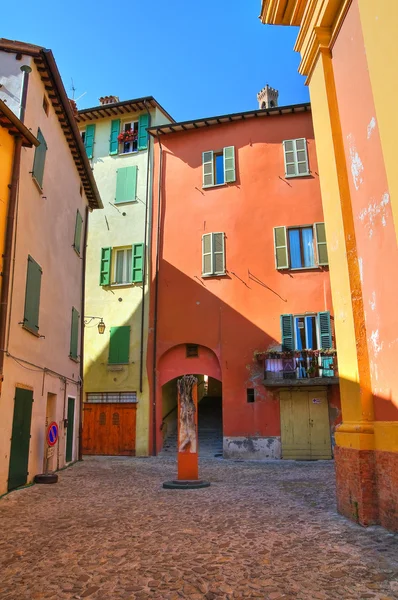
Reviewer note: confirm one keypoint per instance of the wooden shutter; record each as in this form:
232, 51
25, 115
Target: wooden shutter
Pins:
126, 184
40, 158
280, 244
229, 164
218, 254
207, 254
301, 157
32, 296
78, 232
113, 141
89, 140
287, 333
143, 123
105, 271
119, 346
208, 168
137, 263
325, 329
289, 154
74, 334
320, 237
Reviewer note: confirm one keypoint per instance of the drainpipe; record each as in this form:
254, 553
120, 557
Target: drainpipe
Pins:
9, 234
155, 312
147, 200
25, 70
80, 454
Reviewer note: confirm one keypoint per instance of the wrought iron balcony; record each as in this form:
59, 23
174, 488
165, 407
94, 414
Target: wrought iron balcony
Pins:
300, 368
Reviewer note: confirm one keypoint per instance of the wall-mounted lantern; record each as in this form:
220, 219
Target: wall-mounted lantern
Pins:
101, 324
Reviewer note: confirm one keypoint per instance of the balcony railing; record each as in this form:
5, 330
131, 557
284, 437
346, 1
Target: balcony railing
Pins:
307, 367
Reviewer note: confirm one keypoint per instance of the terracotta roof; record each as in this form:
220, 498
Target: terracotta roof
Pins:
115, 109
48, 70
231, 118
15, 127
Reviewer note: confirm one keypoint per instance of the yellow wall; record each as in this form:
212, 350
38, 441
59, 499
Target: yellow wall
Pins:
6, 158
379, 27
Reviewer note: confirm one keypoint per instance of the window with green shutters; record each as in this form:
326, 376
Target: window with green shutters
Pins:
119, 345
218, 167
39, 159
32, 296
126, 184
78, 232
294, 247
287, 332
143, 124
105, 268
138, 263
296, 157
113, 141
308, 331
320, 236
123, 265
74, 334
89, 140
213, 254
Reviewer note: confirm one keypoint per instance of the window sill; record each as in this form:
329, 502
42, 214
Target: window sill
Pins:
37, 184
212, 275
215, 185
314, 268
121, 285
75, 360
77, 251
29, 330
130, 153
298, 175
135, 201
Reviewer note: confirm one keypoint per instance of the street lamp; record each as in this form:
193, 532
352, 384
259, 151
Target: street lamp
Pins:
101, 324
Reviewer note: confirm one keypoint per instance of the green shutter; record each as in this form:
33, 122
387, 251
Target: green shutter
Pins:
89, 140
119, 345
320, 237
280, 246
325, 329
40, 158
20, 438
218, 254
32, 295
70, 429
78, 232
302, 157
74, 334
126, 184
113, 142
208, 168
105, 272
296, 157
143, 123
137, 263
229, 164
287, 332
207, 255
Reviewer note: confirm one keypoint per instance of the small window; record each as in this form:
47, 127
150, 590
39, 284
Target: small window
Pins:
192, 350
45, 105
305, 332
122, 266
218, 166
213, 254
250, 395
83, 135
301, 247
296, 158
294, 247
128, 137
113, 397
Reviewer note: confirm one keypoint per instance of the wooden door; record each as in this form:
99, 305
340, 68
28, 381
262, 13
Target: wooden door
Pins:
20, 438
305, 430
70, 429
109, 428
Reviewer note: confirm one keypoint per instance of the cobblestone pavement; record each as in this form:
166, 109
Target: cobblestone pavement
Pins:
109, 531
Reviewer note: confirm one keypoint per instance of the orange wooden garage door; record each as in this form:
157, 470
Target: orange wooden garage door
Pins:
109, 428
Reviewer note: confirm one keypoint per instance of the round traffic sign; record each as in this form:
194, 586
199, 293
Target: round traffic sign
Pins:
52, 434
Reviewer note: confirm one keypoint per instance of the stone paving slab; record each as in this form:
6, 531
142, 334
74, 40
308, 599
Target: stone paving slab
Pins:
266, 531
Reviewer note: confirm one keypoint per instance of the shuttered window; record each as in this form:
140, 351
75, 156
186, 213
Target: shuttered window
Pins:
143, 123
105, 268
78, 232
280, 245
32, 296
213, 254
325, 329
40, 159
74, 334
287, 332
138, 263
126, 184
320, 237
113, 141
89, 140
305, 332
119, 345
296, 157
218, 167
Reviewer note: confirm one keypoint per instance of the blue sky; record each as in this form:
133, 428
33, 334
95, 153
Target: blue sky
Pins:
197, 57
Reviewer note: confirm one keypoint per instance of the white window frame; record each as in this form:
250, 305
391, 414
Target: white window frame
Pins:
83, 136
295, 161
302, 316
212, 252
213, 160
115, 252
121, 144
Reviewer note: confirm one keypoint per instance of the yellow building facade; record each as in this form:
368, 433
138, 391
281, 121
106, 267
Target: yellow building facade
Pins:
345, 47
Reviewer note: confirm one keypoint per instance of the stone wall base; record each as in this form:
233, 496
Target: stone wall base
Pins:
252, 448
367, 486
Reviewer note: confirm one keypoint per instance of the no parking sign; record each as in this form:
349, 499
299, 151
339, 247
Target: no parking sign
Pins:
52, 434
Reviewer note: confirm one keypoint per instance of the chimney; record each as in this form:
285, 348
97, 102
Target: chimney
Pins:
108, 99
267, 97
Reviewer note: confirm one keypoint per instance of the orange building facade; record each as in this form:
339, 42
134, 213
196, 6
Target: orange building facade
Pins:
240, 283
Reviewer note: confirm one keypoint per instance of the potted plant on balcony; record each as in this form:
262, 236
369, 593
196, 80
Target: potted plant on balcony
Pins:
127, 136
312, 370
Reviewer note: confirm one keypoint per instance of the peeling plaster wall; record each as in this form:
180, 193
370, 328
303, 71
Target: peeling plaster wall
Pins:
252, 448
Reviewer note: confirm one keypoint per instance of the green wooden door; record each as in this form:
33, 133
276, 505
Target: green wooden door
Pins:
69, 432
20, 439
